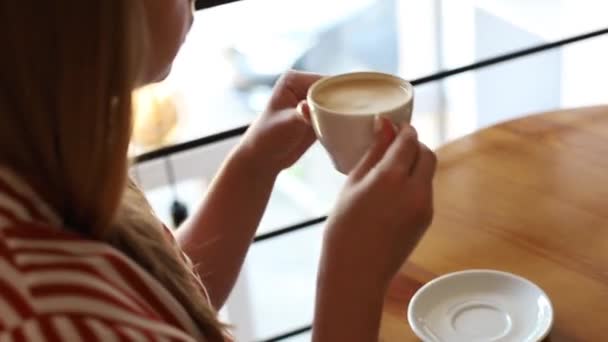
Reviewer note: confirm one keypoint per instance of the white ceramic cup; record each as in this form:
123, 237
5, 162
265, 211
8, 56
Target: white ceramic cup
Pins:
348, 136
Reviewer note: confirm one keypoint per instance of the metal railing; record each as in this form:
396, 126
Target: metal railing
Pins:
203, 4
211, 139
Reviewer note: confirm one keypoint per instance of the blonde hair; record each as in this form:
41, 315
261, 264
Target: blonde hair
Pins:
67, 72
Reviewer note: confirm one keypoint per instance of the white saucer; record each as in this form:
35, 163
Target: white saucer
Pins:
480, 306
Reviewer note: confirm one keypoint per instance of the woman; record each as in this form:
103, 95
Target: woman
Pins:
82, 257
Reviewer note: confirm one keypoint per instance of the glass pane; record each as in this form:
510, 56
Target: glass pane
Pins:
223, 76
559, 78
295, 197
566, 77
281, 275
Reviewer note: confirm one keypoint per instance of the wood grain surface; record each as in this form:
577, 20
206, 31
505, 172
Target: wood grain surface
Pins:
529, 197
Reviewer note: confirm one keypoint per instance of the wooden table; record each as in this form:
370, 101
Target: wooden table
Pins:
529, 197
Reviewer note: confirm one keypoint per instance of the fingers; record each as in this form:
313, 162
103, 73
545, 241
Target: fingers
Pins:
402, 155
298, 82
298, 130
296, 123
424, 170
291, 88
384, 137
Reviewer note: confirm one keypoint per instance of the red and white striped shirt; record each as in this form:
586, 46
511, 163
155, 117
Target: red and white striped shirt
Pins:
58, 286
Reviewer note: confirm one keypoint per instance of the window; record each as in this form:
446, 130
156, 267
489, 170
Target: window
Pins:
224, 74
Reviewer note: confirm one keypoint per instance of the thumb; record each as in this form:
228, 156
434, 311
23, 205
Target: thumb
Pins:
384, 134
304, 111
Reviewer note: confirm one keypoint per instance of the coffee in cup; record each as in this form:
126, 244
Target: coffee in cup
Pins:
344, 108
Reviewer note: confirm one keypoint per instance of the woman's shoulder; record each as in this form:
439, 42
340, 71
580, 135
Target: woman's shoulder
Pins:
52, 278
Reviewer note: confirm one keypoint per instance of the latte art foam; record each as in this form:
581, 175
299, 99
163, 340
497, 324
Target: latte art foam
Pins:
361, 96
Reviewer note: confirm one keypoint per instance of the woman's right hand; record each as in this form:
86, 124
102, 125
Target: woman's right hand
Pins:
382, 212
384, 208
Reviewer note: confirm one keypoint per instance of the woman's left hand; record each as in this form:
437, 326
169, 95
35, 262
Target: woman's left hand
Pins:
279, 137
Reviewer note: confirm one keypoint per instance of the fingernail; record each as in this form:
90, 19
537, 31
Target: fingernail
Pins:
378, 125
300, 108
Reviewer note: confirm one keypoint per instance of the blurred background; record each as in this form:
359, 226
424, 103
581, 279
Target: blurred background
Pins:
224, 74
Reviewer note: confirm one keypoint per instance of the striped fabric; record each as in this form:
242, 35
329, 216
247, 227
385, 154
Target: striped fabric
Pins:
58, 286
